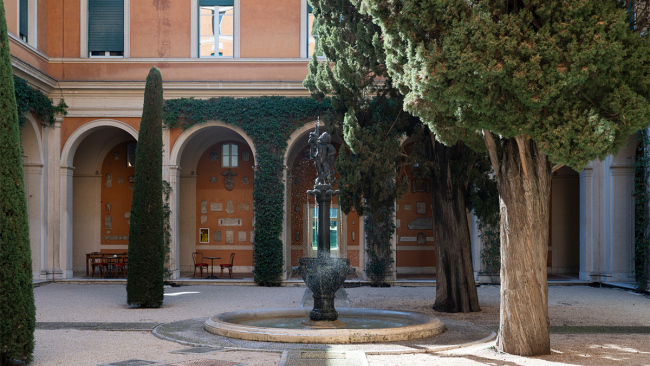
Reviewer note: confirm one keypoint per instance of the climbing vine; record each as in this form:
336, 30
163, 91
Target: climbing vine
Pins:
269, 121
641, 212
29, 99
167, 229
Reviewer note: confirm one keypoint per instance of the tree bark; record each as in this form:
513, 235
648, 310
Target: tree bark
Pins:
524, 182
455, 286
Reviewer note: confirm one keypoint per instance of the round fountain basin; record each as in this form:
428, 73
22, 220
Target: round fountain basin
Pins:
362, 326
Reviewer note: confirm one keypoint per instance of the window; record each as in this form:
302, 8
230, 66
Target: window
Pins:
23, 27
229, 156
216, 28
334, 230
106, 28
130, 154
312, 36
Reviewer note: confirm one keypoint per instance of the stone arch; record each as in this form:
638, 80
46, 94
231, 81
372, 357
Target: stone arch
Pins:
72, 143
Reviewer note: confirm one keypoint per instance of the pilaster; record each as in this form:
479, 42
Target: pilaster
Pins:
50, 267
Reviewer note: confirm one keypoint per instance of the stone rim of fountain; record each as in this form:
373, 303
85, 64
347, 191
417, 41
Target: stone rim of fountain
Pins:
221, 324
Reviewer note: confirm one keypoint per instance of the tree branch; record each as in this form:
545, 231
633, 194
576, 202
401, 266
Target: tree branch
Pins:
492, 150
522, 154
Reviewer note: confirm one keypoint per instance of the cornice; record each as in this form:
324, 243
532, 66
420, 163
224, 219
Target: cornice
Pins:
32, 75
119, 60
28, 47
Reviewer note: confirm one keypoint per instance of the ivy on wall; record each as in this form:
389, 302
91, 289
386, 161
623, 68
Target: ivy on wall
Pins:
29, 99
268, 121
641, 212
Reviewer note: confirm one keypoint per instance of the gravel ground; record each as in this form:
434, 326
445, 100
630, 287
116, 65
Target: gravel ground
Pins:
568, 305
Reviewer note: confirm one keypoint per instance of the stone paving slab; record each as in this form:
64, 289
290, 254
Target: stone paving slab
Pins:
117, 326
302, 358
457, 333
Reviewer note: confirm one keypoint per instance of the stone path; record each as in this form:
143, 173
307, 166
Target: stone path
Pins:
299, 358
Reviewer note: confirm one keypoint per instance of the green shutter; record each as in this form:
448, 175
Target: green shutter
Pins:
106, 25
216, 2
309, 9
23, 18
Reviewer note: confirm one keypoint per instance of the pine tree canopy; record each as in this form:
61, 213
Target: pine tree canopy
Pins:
572, 75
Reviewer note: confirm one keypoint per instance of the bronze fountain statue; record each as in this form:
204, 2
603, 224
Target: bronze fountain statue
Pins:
323, 275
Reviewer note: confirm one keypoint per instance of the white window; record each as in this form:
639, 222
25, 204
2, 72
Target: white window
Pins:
229, 156
312, 36
216, 28
335, 231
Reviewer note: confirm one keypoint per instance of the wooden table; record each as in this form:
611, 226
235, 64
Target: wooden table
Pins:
212, 276
110, 259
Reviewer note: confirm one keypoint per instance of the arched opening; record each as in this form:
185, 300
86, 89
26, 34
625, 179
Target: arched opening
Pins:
215, 196
564, 227
92, 180
301, 217
33, 167
415, 256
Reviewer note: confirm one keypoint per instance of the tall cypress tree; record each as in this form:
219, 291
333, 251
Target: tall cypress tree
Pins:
144, 286
17, 310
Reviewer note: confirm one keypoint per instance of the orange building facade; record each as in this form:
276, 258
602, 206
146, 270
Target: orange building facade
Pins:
96, 54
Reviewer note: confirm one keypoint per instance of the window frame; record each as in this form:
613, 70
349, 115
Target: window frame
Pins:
230, 156
312, 226
84, 30
195, 46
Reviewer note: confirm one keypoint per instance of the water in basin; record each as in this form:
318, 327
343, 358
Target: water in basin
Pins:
351, 322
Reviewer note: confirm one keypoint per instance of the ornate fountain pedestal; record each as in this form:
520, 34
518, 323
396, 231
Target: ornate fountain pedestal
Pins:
324, 276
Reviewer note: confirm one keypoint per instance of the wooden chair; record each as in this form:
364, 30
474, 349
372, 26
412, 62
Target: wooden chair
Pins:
97, 262
120, 266
197, 257
228, 266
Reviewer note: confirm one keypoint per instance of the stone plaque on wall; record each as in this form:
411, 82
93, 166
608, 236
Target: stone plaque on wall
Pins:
230, 222
397, 223
204, 219
407, 207
108, 222
407, 238
245, 155
127, 215
241, 236
108, 207
115, 237
215, 206
421, 207
204, 206
243, 207
230, 236
120, 180
109, 180
251, 236
214, 180
422, 239
230, 209
421, 223
217, 235
353, 235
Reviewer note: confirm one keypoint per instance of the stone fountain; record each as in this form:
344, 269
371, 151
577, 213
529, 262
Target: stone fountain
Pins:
323, 275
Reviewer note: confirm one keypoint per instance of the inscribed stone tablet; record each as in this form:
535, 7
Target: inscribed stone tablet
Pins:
241, 236
230, 222
421, 223
251, 236
216, 206
230, 236
127, 215
230, 209
217, 236
204, 219
204, 206
243, 207
407, 207
421, 208
108, 222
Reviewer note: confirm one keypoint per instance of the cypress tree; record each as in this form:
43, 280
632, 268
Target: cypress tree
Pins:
17, 310
144, 286
549, 83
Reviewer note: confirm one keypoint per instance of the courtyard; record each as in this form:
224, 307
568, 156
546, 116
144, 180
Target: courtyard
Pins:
92, 325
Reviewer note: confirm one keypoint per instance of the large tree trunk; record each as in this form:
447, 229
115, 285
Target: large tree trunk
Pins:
455, 286
524, 183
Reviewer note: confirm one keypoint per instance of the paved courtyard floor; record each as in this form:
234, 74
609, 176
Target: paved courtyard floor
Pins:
92, 325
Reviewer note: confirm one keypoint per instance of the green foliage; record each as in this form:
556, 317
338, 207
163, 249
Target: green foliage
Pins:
569, 74
17, 310
32, 100
367, 113
167, 228
145, 287
269, 121
642, 211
